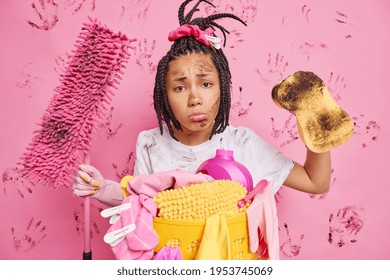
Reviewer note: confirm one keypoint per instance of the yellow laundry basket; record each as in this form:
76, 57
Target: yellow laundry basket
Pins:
188, 235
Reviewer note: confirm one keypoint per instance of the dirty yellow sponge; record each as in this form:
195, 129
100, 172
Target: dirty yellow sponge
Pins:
322, 123
198, 201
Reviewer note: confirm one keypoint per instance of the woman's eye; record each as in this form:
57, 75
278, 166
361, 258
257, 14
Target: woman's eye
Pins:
207, 84
179, 88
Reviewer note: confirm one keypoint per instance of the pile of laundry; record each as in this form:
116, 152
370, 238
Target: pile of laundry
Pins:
180, 195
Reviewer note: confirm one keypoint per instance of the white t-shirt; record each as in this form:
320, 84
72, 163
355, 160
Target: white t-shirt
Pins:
157, 153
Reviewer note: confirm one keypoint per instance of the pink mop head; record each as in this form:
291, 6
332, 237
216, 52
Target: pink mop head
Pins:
77, 107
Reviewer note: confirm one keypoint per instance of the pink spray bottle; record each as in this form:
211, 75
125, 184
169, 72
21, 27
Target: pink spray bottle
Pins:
223, 166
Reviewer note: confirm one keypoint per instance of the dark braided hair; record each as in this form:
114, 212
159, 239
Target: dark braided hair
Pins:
189, 44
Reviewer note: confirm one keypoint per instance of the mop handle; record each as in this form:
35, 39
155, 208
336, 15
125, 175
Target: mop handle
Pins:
87, 253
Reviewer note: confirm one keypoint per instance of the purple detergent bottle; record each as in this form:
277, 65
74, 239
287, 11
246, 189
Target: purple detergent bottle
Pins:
223, 166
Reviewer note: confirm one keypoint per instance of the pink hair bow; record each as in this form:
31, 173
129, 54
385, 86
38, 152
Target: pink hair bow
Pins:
203, 36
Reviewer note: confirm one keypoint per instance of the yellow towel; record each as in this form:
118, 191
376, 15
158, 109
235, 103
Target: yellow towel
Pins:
215, 244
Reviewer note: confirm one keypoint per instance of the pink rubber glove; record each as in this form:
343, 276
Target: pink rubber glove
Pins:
89, 181
263, 225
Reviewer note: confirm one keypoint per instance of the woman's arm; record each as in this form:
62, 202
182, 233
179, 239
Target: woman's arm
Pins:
314, 176
142, 164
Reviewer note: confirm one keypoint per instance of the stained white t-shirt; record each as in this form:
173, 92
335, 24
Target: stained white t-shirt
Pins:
157, 153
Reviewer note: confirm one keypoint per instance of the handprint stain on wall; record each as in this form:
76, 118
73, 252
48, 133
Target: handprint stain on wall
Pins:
307, 47
13, 179
336, 85
77, 5
290, 247
143, 54
126, 170
79, 220
344, 225
287, 134
341, 17
305, 10
27, 80
32, 237
106, 125
235, 39
245, 9
300, 17
45, 13
237, 108
136, 10
350, 24
367, 130
275, 69
248, 10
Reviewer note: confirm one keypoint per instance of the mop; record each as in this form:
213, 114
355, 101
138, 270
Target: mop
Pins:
76, 109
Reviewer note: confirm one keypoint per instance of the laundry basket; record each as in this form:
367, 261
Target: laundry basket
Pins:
188, 236
183, 212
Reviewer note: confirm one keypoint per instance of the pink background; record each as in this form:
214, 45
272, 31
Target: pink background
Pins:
344, 42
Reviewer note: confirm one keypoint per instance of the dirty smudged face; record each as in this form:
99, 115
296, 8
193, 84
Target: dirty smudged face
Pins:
193, 90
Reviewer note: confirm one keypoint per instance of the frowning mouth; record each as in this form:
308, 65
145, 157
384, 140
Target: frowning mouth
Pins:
199, 117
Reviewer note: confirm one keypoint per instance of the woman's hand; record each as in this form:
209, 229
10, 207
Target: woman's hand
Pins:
89, 181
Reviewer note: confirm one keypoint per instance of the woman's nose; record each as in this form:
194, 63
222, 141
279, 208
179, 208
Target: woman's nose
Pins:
194, 98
